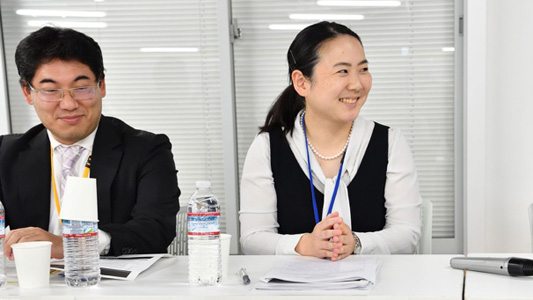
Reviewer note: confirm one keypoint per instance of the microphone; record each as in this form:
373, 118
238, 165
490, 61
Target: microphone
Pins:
511, 266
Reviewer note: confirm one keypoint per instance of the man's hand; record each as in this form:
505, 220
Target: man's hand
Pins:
30, 234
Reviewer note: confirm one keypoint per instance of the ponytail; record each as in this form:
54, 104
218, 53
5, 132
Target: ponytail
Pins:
284, 110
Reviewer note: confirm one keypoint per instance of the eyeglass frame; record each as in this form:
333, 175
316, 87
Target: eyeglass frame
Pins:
70, 90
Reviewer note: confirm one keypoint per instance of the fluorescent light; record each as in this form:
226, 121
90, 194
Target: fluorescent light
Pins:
68, 24
170, 50
60, 13
287, 26
448, 49
325, 17
359, 3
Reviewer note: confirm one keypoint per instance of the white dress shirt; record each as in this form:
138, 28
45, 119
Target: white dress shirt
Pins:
258, 213
104, 239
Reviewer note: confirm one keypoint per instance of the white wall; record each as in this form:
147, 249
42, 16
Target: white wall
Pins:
474, 125
509, 124
496, 216
4, 112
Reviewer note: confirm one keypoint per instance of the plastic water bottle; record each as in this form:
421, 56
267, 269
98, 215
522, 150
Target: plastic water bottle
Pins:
203, 214
80, 248
3, 274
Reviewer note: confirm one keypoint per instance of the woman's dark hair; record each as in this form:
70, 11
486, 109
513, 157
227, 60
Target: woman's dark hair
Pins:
302, 55
49, 43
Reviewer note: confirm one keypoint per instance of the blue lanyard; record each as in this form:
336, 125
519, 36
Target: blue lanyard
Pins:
315, 209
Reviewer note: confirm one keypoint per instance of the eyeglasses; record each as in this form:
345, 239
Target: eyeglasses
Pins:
56, 95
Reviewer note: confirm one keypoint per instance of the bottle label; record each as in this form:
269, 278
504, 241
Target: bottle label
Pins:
203, 224
78, 229
2, 226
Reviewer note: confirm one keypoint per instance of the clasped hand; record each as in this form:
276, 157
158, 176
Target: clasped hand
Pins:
331, 238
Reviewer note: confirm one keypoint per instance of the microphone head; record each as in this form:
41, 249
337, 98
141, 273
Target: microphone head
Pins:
520, 267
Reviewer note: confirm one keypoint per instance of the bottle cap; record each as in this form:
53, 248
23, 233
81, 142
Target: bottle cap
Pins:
203, 184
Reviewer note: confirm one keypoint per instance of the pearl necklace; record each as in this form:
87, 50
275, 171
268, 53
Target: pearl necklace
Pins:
323, 157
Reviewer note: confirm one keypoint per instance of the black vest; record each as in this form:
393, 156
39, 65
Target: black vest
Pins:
366, 191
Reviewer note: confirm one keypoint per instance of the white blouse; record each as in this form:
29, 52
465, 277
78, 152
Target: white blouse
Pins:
258, 213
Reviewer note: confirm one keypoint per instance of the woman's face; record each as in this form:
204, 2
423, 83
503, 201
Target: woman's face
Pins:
341, 81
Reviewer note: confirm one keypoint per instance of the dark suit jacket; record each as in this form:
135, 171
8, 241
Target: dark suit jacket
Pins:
135, 177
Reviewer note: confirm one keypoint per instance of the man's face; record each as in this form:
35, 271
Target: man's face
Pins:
69, 120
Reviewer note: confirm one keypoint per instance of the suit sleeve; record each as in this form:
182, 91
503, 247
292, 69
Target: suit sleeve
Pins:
152, 226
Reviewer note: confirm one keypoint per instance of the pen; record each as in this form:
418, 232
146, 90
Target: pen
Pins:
245, 277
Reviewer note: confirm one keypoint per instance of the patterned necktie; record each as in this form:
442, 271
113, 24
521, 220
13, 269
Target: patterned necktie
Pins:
68, 156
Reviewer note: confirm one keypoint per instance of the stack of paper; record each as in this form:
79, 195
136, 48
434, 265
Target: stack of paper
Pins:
124, 267
305, 273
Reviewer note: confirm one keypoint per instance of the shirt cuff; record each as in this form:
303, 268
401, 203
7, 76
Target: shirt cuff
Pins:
104, 242
287, 244
368, 245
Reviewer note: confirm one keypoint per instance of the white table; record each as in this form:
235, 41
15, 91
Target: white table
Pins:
399, 277
491, 286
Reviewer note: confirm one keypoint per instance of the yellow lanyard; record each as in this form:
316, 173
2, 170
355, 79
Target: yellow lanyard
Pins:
85, 175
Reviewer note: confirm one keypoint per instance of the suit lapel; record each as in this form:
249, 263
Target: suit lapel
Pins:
34, 180
106, 157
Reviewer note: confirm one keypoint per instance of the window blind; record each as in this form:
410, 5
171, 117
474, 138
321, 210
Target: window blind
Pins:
176, 93
410, 50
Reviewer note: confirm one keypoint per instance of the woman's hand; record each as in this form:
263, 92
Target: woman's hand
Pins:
326, 239
347, 241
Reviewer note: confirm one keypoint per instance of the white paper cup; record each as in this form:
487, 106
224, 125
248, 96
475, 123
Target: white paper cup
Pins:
225, 241
80, 200
32, 260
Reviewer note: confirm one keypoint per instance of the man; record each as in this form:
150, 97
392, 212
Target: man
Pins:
62, 76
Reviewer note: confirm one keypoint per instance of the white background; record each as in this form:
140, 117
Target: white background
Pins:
4, 115
498, 137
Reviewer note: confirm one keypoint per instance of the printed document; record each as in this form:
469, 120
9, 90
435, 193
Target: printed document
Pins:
304, 273
124, 267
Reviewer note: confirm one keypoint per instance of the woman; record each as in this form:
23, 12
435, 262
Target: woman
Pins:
320, 180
